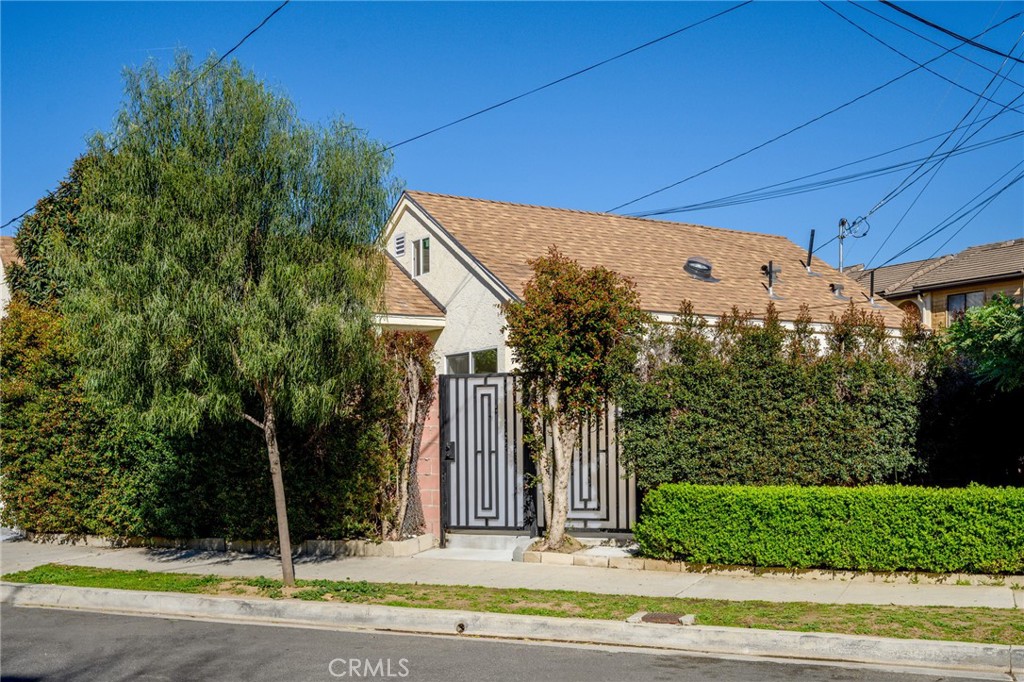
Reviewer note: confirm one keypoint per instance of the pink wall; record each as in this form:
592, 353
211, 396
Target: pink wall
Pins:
429, 468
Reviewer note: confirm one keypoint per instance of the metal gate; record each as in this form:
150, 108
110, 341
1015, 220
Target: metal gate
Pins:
486, 472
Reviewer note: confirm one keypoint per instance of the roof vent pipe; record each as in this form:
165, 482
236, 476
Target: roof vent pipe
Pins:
810, 252
773, 273
871, 298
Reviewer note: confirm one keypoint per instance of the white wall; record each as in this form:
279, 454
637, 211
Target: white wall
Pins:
5, 291
473, 320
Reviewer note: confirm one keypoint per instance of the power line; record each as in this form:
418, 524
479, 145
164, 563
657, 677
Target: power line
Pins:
960, 213
871, 35
907, 183
778, 190
804, 124
565, 78
237, 45
969, 41
911, 31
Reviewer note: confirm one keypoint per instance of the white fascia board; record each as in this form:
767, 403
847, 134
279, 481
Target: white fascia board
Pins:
409, 321
407, 204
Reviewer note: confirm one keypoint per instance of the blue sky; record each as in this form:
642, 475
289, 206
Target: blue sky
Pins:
604, 138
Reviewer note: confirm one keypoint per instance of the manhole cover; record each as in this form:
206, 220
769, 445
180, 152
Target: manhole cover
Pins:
663, 618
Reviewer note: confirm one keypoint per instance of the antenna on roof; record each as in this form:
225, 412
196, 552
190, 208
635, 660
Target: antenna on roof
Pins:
810, 252
773, 273
871, 298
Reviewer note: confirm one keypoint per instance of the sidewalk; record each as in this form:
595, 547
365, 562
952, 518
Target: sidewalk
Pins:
17, 556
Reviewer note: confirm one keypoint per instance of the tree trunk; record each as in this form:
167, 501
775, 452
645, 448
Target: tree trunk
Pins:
563, 436
270, 432
544, 464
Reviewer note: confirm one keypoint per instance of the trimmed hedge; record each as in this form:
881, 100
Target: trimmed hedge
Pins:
873, 528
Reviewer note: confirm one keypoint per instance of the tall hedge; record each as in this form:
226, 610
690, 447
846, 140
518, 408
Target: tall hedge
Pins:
71, 463
750, 402
873, 528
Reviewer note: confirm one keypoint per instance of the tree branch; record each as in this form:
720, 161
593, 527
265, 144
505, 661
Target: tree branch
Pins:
254, 421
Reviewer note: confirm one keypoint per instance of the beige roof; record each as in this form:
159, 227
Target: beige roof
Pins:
8, 252
892, 279
503, 237
403, 296
983, 262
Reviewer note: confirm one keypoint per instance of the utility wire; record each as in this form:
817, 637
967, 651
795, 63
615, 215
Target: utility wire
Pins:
969, 41
978, 212
865, 8
871, 35
777, 190
567, 77
804, 124
960, 213
205, 72
910, 180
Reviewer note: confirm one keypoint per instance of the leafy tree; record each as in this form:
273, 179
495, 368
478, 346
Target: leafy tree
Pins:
231, 271
572, 336
53, 226
992, 339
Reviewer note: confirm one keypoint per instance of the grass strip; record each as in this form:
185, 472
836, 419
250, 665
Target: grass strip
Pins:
964, 624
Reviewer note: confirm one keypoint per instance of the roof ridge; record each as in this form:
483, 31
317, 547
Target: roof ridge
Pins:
578, 211
1005, 243
924, 269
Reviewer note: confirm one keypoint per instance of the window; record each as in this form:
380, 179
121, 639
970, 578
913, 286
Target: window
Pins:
485, 361
958, 304
421, 256
477, 362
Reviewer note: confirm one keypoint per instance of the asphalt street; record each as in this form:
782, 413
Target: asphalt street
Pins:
49, 644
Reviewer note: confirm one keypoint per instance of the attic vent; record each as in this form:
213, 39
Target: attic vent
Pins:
400, 244
699, 268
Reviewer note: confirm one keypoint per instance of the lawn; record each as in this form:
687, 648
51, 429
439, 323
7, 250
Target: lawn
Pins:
995, 626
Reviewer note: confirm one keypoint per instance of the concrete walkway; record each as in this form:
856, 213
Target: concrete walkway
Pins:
16, 556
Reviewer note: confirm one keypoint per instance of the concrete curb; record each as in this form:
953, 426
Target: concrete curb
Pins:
820, 647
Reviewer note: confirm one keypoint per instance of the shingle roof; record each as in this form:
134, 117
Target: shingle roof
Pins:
892, 279
403, 296
503, 237
8, 252
986, 261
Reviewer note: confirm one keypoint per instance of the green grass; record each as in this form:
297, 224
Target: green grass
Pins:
995, 626
83, 576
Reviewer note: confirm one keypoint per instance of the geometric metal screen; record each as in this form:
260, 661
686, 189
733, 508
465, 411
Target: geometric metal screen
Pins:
484, 463
486, 469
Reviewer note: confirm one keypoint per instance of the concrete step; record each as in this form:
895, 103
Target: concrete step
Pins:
485, 542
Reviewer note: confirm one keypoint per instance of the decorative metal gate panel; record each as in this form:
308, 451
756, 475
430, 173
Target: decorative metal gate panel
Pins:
486, 470
601, 497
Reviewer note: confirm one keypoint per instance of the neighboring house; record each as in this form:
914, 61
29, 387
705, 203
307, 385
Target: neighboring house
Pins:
8, 255
469, 255
936, 290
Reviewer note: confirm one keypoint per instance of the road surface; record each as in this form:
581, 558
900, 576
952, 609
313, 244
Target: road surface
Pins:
50, 644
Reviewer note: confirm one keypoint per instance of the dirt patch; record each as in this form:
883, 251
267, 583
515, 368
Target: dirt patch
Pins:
569, 546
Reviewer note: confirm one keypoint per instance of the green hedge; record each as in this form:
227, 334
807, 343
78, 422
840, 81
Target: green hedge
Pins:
874, 528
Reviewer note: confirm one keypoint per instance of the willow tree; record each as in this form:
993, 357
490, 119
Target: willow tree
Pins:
230, 271
573, 336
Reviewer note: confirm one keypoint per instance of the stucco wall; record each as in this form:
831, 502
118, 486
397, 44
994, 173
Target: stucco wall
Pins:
473, 320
